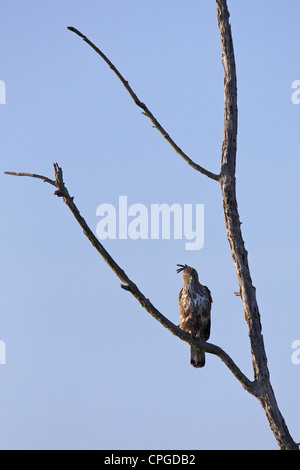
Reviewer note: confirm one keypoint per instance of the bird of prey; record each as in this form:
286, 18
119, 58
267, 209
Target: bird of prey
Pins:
195, 306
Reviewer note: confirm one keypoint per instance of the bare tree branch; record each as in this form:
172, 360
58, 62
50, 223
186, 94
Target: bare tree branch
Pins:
234, 235
146, 111
33, 175
62, 191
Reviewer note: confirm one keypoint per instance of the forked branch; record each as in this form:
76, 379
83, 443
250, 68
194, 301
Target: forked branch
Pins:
130, 286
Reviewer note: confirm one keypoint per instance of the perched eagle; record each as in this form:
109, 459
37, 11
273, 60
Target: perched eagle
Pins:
195, 306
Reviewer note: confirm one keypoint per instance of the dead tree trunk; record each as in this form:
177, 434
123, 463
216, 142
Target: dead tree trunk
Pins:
264, 392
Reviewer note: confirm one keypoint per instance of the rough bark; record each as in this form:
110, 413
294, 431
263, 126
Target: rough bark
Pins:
233, 229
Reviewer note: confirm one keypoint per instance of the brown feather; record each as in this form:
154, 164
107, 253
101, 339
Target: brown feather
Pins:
195, 307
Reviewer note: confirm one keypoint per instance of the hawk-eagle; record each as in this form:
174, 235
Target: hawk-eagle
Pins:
195, 306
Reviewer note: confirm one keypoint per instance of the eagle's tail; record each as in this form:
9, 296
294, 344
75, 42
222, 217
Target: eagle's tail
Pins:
197, 357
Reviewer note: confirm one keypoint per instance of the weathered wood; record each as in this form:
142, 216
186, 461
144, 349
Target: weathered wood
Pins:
234, 234
146, 110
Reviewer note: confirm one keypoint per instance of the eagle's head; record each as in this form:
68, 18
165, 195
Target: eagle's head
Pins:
189, 274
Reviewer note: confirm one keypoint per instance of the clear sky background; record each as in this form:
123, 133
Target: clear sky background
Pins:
86, 366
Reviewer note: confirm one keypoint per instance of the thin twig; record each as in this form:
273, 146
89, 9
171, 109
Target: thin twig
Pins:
145, 109
130, 286
33, 175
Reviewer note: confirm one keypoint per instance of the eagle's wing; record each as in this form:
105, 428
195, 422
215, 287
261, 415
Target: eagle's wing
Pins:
208, 294
180, 302
206, 329
180, 294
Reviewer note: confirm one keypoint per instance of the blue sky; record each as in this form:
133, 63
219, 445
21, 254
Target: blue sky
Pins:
86, 367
